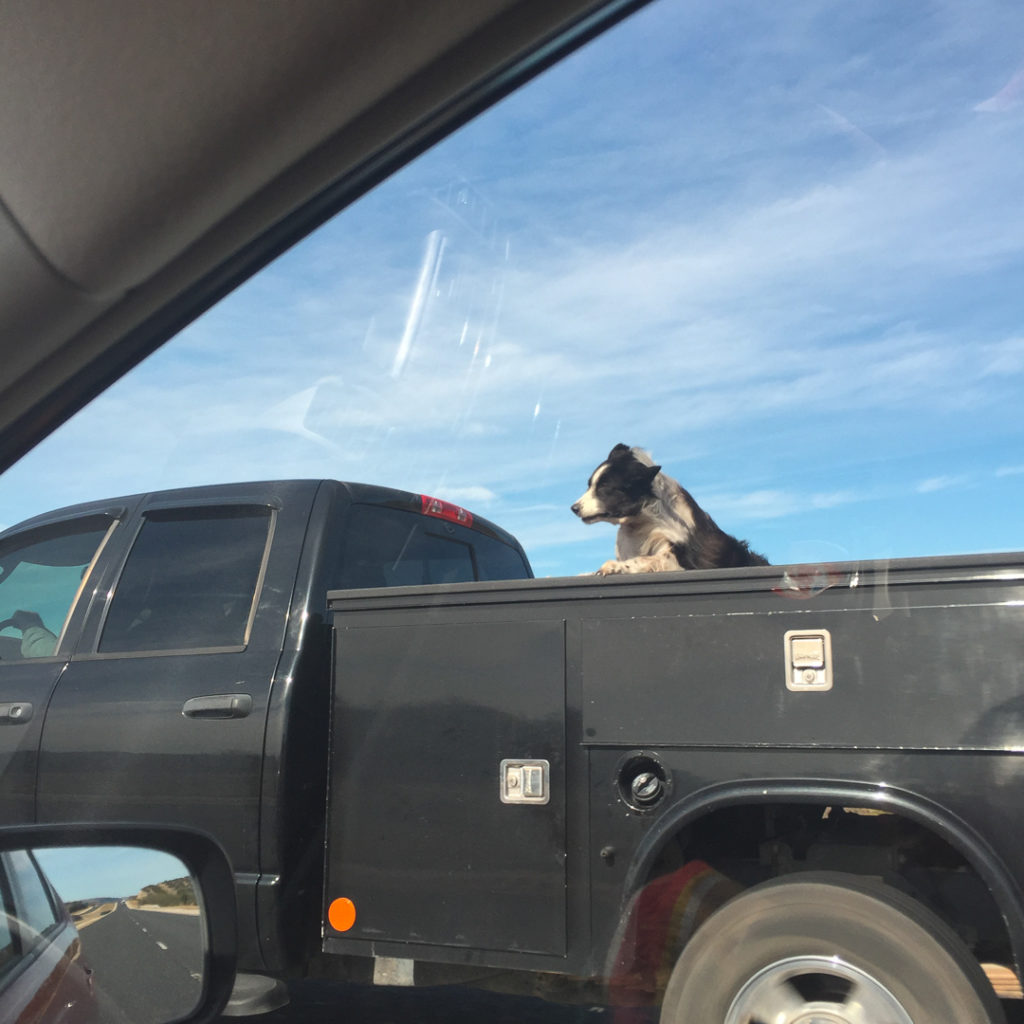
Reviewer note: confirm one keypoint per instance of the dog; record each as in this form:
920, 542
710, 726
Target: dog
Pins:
661, 527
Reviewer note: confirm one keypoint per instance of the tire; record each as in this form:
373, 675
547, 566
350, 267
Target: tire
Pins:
830, 947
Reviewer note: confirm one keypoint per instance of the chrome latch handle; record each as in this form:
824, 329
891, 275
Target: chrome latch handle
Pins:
808, 659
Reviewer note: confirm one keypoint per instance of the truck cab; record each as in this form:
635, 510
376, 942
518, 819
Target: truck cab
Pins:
165, 658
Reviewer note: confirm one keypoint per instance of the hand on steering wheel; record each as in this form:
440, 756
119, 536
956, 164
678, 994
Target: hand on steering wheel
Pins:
22, 620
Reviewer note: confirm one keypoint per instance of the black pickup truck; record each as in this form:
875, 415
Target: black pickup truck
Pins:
165, 657
751, 795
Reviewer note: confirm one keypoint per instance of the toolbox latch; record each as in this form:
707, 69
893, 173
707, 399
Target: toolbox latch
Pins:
808, 659
525, 782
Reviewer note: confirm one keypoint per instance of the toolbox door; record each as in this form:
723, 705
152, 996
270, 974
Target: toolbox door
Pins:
447, 802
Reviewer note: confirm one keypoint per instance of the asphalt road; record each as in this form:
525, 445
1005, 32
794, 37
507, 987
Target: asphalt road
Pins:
320, 1002
323, 1002
147, 964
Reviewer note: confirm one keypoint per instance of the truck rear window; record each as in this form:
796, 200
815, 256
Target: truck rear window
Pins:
386, 547
189, 582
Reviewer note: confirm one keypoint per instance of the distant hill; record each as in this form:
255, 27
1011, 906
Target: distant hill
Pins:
177, 892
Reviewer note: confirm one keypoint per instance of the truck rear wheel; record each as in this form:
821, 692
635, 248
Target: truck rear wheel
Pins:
827, 947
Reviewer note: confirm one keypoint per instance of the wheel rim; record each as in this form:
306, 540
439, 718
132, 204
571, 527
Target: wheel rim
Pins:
815, 990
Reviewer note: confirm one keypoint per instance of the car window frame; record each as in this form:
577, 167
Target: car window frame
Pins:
29, 943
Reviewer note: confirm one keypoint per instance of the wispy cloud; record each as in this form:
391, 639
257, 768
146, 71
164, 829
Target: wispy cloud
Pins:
774, 504
1003, 358
1009, 97
477, 497
940, 483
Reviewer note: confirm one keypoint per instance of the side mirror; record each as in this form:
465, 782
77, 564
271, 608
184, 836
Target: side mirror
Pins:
107, 924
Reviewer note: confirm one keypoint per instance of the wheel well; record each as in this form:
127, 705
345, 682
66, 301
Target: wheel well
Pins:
752, 843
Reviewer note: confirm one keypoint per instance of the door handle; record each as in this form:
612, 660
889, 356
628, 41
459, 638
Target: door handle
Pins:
218, 705
16, 713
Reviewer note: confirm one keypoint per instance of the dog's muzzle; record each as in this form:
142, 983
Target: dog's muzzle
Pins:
587, 517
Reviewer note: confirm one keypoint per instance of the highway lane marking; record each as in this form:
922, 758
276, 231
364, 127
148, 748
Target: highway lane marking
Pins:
160, 944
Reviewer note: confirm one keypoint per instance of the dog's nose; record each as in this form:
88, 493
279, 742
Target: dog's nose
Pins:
575, 506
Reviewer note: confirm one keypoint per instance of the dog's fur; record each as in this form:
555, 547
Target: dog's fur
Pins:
661, 527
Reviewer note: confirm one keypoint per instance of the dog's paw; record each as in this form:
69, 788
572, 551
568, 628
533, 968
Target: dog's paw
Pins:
612, 567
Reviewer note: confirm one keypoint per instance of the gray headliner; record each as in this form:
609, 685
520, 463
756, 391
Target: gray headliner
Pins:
143, 144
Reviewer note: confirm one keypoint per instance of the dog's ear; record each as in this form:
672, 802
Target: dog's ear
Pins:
653, 471
619, 449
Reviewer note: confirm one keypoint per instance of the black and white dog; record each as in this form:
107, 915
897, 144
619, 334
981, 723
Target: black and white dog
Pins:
661, 527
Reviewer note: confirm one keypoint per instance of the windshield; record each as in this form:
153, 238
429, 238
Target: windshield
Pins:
778, 248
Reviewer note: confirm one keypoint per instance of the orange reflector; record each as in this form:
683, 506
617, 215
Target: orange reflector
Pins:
341, 914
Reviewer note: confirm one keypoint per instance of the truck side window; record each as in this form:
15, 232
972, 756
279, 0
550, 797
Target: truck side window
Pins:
387, 547
190, 581
41, 574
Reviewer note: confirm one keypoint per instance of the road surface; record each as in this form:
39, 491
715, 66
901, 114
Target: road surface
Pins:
325, 1002
147, 964
320, 1002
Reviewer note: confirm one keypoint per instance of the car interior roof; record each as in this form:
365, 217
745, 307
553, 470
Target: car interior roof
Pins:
155, 155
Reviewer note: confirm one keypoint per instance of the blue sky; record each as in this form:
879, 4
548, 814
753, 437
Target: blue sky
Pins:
85, 872
780, 246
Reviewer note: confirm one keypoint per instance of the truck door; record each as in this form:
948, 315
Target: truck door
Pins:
43, 574
160, 716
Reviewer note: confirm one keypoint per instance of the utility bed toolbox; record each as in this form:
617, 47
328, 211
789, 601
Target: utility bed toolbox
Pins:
480, 802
